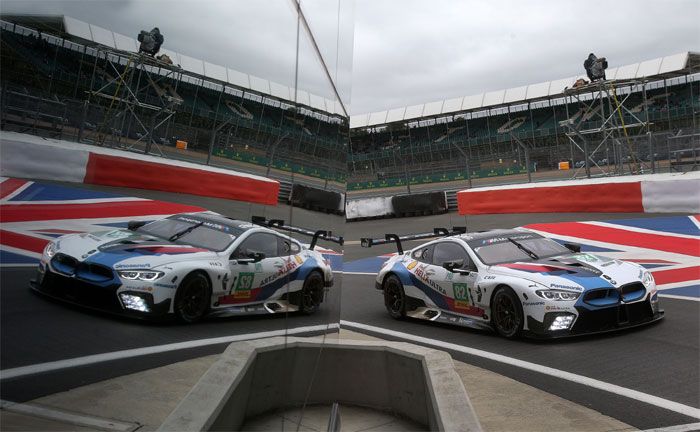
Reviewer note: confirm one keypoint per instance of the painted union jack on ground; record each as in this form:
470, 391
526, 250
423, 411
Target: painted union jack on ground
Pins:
34, 213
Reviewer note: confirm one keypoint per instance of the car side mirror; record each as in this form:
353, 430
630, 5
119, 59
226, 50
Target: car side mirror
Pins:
256, 256
250, 257
573, 247
134, 225
453, 265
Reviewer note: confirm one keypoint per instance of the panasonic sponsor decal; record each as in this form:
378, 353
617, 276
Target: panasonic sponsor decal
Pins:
131, 266
566, 287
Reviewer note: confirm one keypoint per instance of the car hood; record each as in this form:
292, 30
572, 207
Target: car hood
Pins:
577, 272
122, 249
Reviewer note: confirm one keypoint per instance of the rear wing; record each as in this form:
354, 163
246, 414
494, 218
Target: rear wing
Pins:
315, 235
393, 238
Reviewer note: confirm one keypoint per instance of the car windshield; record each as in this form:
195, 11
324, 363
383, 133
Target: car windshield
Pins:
499, 250
194, 232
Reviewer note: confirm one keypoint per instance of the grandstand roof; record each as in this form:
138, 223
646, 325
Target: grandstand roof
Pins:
656, 69
93, 35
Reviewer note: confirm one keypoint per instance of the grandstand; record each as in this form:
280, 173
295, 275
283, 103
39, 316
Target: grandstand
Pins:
493, 134
66, 78
69, 79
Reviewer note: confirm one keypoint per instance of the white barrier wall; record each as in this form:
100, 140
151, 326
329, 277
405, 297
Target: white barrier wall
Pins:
25, 159
368, 207
671, 196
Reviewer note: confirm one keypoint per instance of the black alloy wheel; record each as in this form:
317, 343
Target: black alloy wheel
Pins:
311, 293
506, 313
394, 297
192, 298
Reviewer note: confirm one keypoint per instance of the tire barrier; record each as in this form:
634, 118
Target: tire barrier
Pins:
657, 193
27, 156
421, 204
317, 199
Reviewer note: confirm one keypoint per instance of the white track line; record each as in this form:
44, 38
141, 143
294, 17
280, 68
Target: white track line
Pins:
579, 379
119, 355
640, 230
5, 265
66, 417
678, 428
678, 297
358, 273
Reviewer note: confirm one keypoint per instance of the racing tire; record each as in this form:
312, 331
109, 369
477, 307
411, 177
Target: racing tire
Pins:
394, 297
192, 298
506, 313
311, 293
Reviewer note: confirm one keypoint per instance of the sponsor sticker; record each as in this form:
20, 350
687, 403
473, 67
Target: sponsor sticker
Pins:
566, 287
138, 288
131, 266
556, 308
117, 234
462, 300
244, 285
587, 258
422, 275
536, 303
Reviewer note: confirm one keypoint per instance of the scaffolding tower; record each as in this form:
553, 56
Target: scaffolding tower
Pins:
137, 95
608, 119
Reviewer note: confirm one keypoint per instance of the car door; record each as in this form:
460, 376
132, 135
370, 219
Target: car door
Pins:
458, 287
246, 277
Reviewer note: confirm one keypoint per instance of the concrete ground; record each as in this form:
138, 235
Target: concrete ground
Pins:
141, 401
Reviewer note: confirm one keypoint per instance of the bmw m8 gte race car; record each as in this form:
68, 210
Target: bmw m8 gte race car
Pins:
514, 282
188, 265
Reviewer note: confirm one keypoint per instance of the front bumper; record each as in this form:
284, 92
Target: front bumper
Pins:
84, 294
599, 320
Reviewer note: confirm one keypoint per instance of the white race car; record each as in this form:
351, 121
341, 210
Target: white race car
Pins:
189, 265
515, 282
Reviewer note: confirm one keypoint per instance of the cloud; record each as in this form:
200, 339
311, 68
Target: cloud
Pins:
401, 52
413, 51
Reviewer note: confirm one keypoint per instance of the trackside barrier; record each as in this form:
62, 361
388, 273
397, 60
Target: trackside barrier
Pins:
27, 156
657, 193
429, 203
400, 206
317, 199
365, 208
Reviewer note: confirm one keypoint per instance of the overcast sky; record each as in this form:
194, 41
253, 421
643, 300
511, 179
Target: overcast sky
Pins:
405, 51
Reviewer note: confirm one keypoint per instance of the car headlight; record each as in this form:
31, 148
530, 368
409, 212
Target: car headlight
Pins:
50, 249
648, 279
142, 275
557, 295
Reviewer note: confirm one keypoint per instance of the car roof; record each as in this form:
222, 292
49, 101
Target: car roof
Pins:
213, 218
485, 235
236, 225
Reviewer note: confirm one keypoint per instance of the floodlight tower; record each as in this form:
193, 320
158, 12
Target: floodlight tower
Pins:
607, 115
123, 84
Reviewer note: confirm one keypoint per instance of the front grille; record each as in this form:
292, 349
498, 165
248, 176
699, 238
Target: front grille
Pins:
610, 318
602, 297
69, 266
64, 264
632, 291
94, 272
81, 292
